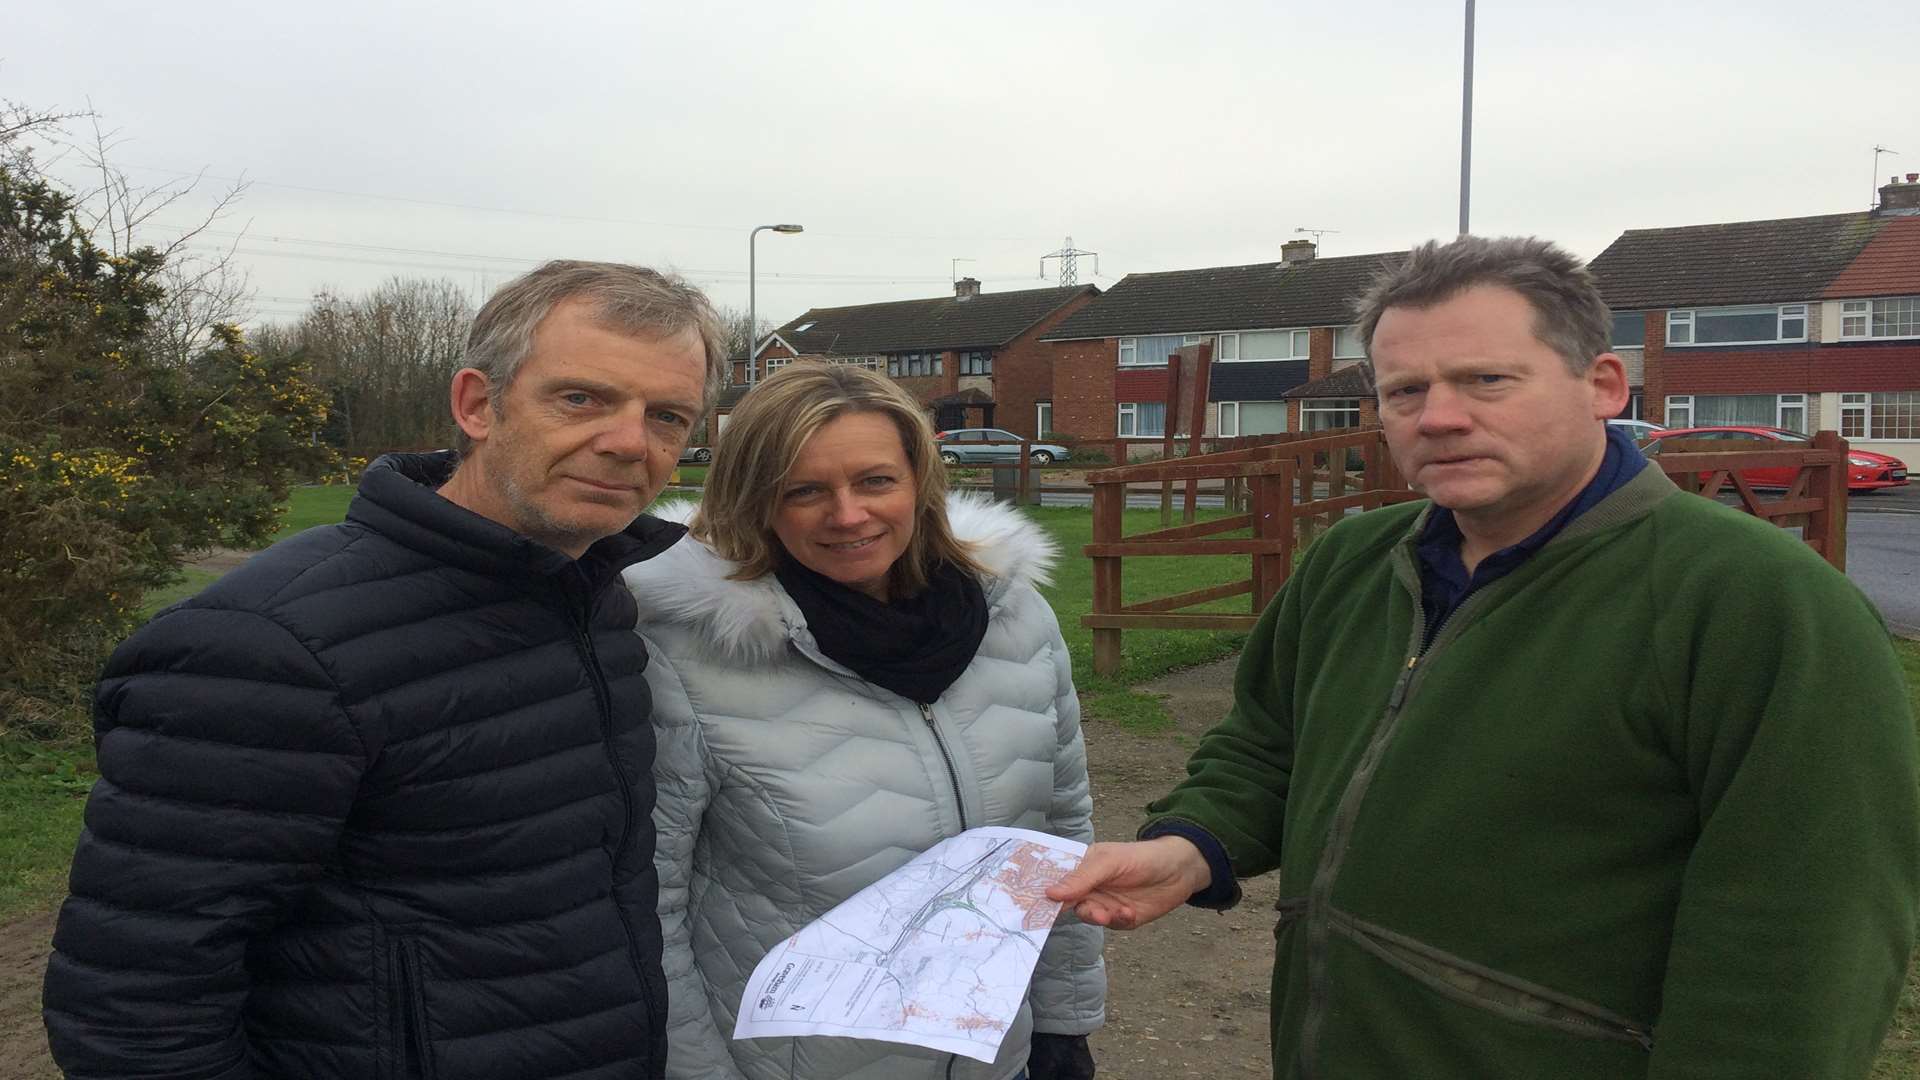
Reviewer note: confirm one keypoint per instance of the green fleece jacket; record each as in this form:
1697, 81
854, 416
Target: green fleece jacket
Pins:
1647, 807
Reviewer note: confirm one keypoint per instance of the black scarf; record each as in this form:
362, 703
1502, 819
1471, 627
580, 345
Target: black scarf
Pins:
915, 646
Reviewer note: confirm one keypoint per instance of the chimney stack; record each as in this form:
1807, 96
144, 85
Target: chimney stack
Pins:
1296, 252
966, 288
1901, 199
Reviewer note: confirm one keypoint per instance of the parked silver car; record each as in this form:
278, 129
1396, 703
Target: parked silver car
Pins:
974, 446
1639, 430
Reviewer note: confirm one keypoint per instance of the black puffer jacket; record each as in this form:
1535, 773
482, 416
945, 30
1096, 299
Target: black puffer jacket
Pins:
376, 805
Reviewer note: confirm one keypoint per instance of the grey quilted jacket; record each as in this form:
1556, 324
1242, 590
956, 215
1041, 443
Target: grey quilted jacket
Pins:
787, 783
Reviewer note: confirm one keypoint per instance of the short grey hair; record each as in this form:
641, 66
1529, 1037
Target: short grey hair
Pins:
628, 299
1568, 315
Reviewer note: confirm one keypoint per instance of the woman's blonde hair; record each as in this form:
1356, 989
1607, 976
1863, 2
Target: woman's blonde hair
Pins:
764, 437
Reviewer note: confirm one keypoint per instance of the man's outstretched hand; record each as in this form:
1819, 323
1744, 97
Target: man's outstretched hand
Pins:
1126, 886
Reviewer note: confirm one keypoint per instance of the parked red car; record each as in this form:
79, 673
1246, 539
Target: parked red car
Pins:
1866, 470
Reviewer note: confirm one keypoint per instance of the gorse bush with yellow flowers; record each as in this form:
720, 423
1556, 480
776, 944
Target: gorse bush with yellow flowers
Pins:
114, 466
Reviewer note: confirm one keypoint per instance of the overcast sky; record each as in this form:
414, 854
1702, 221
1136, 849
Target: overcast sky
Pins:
470, 140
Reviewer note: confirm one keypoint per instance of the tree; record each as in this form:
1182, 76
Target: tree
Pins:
735, 321
201, 291
114, 461
385, 359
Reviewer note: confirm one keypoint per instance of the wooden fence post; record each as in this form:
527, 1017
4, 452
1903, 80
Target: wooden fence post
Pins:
1108, 501
1829, 524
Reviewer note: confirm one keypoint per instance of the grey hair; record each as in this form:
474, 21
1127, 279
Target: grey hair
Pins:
629, 299
1568, 315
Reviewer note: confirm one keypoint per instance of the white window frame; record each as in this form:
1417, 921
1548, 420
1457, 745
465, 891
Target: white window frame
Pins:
1129, 348
1865, 311
1861, 310
1226, 430
1042, 418
1126, 423
1861, 409
1230, 343
1679, 401
1858, 408
1788, 313
1359, 344
1311, 407
1787, 403
1683, 325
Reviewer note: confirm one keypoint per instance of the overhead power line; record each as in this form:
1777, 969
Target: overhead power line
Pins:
546, 214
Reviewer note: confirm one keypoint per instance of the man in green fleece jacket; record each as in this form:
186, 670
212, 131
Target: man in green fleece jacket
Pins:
1567, 774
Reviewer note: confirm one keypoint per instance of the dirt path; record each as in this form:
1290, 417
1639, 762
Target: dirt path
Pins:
23, 958
1188, 995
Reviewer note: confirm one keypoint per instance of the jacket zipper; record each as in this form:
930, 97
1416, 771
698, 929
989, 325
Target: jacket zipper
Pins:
953, 774
415, 1061
959, 805
603, 697
1320, 893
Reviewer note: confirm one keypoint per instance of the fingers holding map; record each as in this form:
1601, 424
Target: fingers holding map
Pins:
938, 953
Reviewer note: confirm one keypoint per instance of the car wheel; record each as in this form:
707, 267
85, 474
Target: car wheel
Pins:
1042, 457
703, 455
949, 457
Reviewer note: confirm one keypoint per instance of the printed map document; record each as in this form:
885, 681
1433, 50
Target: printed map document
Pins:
938, 953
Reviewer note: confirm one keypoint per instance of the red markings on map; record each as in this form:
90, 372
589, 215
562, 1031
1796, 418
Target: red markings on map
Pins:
1030, 869
977, 1022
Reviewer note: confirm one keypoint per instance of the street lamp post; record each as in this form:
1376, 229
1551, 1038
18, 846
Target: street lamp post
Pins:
753, 311
1466, 123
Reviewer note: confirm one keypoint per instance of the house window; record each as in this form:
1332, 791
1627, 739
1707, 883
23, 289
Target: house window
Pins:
1142, 419
1347, 344
1892, 318
1252, 418
1880, 416
1753, 325
1269, 344
976, 362
1148, 351
1680, 411
1713, 410
1325, 414
1791, 412
775, 363
1630, 329
1227, 348
1043, 418
911, 365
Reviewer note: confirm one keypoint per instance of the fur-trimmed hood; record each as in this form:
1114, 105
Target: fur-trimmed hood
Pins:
753, 620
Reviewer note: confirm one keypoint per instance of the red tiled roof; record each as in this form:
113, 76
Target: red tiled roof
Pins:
1888, 266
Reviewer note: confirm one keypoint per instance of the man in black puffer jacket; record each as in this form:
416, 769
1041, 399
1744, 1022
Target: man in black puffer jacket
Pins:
378, 804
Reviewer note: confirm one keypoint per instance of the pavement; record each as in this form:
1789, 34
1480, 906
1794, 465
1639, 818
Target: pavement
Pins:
1883, 558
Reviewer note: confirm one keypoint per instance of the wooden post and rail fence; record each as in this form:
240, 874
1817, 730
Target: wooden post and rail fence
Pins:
1287, 489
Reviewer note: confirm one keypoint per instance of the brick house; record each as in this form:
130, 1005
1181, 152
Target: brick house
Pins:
1275, 328
1804, 323
974, 359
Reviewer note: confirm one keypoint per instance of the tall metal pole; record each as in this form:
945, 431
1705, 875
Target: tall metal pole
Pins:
753, 311
1466, 125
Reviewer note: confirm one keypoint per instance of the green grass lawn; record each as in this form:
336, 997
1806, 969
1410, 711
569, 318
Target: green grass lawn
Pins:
310, 506
1148, 653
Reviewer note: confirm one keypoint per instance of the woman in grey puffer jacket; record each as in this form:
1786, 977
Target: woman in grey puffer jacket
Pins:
847, 668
